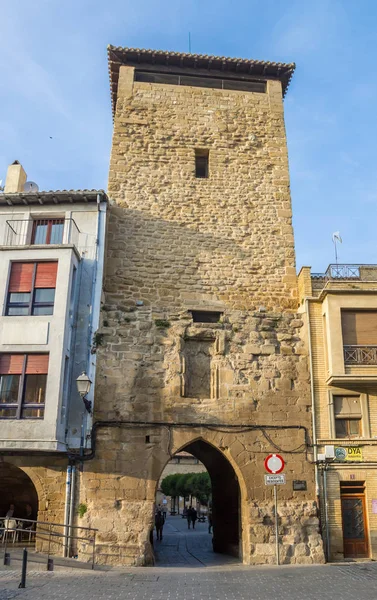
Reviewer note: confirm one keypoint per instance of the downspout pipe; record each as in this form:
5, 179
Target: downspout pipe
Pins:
71, 508
314, 429
68, 484
95, 310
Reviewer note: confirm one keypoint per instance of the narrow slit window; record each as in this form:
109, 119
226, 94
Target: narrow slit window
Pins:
206, 316
201, 163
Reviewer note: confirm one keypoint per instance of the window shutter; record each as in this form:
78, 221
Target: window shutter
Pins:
359, 328
11, 364
37, 363
347, 407
46, 275
21, 277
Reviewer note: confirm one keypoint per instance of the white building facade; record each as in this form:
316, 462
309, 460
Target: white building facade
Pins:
51, 270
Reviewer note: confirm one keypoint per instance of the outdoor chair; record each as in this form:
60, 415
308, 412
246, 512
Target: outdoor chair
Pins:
11, 530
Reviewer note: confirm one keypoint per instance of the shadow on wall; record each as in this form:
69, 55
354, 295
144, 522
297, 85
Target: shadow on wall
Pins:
166, 259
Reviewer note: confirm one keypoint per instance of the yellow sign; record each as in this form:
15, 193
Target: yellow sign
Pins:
349, 454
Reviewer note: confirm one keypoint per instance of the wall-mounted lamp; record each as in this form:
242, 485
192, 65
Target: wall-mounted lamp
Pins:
83, 387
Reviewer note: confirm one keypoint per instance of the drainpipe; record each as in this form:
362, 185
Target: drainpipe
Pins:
68, 484
95, 308
94, 275
326, 512
71, 508
315, 449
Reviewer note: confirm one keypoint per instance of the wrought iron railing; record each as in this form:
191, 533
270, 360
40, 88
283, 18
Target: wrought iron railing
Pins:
50, 539
339, 272
360, 355
25, 232
343, 272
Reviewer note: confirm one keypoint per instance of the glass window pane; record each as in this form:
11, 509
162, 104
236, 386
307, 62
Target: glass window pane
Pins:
340, 428
56, 233
33, 413
40, 233
19, 298
44, 295
8, 413
14, 311
9, 388
354, 427
42, 310
35, 389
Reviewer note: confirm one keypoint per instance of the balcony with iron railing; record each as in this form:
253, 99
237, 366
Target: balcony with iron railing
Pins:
360, 355
337, 272
37, 232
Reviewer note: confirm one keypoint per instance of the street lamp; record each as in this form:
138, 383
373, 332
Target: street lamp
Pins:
83, 387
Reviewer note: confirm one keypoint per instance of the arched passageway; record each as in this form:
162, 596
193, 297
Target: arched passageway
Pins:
16, 488
182, 546
225, 497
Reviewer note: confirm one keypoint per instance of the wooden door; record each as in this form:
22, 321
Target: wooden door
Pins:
355, 535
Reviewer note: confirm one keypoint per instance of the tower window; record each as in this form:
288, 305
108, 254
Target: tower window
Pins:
206, 316
201, 163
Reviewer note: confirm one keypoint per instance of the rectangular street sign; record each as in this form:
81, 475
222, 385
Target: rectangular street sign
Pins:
274, 479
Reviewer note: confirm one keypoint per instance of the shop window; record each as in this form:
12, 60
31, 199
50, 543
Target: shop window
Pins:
23, 380
347, 412
31, 289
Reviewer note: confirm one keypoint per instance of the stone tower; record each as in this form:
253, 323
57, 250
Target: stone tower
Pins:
201, 347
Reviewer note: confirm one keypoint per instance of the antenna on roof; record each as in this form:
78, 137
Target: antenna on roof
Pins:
336, 238
189, 43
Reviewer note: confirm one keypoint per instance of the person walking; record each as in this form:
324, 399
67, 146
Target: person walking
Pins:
189, 517
194, 516
159, 524
210, 521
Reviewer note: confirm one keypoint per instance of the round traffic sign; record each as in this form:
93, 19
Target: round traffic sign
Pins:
274, 463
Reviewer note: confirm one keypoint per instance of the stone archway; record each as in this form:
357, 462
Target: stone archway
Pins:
17, 488
226, 496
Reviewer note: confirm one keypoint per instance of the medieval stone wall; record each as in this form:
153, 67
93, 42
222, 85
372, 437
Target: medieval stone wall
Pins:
177, 243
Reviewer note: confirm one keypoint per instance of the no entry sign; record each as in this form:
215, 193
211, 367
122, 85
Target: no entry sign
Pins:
274, 463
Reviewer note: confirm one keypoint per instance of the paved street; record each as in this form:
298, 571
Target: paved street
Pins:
187, 569
327, 582
183, 547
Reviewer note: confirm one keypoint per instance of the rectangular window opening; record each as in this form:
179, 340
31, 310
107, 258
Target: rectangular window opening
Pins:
206, 316
347, 412
23, 381
31, 289
47, 231
242, 85
201, 164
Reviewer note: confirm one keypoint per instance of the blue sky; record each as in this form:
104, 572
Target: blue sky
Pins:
54, 84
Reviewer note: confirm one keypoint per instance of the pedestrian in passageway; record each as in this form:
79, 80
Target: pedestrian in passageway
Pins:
194, 516
210, 521
159, 524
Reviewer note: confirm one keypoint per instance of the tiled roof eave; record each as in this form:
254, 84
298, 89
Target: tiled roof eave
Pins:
51, 197
118, 56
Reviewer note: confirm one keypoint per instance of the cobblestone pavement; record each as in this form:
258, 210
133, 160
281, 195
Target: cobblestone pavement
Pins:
183, 547
325, 582
189, 570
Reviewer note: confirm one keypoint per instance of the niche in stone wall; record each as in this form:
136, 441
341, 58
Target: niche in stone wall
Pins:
197, 372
